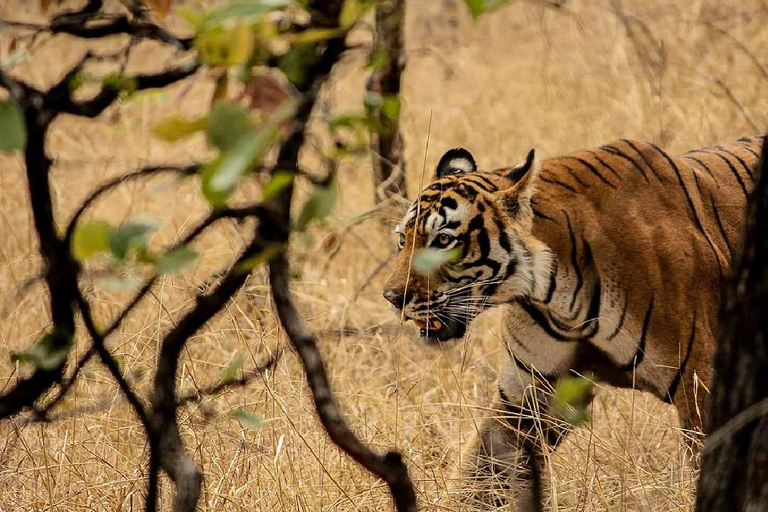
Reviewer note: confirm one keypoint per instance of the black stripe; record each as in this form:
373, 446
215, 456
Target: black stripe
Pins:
503, 238
720, 224
593, 313
756, 155
552, 283
542, 321
592, 169
679, 375
602, 162
481, 182
484, 179
617, 152
574, 175
741, 161
698, 185
553, 181
706, 168
621, 319
449, 202
640, 353
537, 213
520, 364
468, 190
690, 204
642, 155
574, 262
734, 172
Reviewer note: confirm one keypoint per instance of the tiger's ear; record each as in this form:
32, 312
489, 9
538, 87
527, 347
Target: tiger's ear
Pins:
456, 161
516, 200
520, 170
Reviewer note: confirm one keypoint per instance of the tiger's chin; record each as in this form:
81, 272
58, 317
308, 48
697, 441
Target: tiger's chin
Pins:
435, 332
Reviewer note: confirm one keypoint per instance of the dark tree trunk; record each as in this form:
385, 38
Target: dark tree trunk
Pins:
387, 144
734, 473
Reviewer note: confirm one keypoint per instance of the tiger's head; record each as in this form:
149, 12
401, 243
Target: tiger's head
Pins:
476, 228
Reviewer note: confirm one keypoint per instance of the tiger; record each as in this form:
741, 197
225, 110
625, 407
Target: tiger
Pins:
608, 262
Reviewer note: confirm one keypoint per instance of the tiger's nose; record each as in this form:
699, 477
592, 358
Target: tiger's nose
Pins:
396, 299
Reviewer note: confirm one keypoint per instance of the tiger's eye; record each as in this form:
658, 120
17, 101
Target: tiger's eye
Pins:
444, 239
401, 241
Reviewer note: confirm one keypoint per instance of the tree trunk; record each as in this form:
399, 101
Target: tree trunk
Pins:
387, 143
734, 473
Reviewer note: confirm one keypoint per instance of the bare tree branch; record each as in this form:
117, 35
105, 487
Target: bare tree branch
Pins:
91, 23
390, 466
93, 107
106, 358
387, 143
243, 380
61, 270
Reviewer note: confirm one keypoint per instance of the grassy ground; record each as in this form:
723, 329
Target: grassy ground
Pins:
678, 73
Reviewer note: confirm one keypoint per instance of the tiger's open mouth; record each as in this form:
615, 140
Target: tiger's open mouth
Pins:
436, 331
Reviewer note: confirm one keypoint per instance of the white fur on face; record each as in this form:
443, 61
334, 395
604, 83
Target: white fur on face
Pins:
463, 165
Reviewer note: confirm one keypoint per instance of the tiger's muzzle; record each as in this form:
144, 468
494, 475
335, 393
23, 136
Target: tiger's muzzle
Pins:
433, 330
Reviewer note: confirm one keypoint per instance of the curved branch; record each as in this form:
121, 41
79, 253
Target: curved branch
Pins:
390, 466
90, 23
93, 107
100, 348
199, 394
115, 182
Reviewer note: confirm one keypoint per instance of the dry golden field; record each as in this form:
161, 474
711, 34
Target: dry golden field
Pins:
680, 73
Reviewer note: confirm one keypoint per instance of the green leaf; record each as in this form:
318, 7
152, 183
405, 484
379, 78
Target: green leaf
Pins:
312, 35
226, 46
245, 11
175, 260
118, 283
572, 397
194, 14
215, 198
131, 235
279, 181
119, 82
90, 238
76, 82
246, 419
319, 205
479, 7
227, 123
352, 121
248, 150
262, 257
352, 10
234, 366
13, 128
47, 353
391, 106
378, 59
295, 63
175, 128
426, 261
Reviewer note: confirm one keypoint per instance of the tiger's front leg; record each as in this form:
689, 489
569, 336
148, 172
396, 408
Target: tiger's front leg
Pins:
503, 463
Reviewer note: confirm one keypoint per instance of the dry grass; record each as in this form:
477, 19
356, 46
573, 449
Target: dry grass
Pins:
525, 76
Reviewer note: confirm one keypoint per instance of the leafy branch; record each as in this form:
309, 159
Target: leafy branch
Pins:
238, 40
